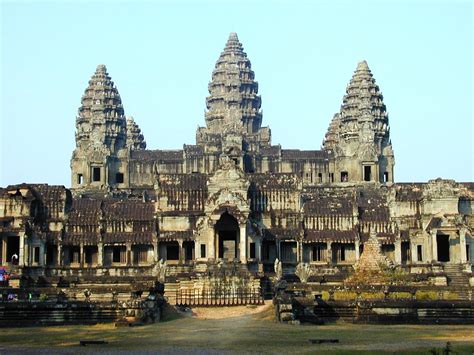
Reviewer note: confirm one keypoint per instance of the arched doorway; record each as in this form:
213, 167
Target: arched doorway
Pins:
227, 234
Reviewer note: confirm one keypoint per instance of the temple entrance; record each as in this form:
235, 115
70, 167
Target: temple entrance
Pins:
227, 232
13, 248
442, 241
406, 257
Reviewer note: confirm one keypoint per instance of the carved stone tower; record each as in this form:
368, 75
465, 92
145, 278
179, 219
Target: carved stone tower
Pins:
359, 135
233, 118
135, 139
99, 159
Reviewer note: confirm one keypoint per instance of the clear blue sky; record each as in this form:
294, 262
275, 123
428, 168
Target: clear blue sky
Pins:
161, 56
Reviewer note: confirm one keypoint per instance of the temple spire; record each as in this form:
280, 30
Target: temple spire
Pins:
359, 134
233, 103
363, 102
101, 118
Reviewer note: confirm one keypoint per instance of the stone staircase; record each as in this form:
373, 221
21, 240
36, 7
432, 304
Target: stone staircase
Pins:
458, 279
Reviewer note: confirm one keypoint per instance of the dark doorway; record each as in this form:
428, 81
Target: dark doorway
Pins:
188, 250
367, 173
51, 255
269, 252
344, 176
13, 248
288, 252
227, 229
95, 174
172, 252
90, 255
443, 247
405, 252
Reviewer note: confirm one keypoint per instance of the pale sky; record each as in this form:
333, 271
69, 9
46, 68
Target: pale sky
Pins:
161, 56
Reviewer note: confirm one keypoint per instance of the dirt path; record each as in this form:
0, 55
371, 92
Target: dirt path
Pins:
229, 312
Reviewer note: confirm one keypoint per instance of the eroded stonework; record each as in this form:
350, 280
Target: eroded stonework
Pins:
233, 197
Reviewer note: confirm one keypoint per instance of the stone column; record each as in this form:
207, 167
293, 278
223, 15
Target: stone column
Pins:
42, 255
212, 253
81, 255
258, 250
243, 244
128, 253
357, 249
59, 260
21, 254
329, 252
155, 250
100, 254
4, 250
462, 245
180, 254
398, 251
413, 254
26, 253
298, 252
434, 247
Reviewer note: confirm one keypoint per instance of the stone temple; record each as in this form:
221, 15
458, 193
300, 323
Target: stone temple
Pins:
233, 197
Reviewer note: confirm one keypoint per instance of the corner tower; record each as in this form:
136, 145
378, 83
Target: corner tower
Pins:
359, 135
233, 116
100, 158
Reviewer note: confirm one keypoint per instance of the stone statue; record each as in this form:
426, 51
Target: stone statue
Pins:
278, 269
303, 271
159, 270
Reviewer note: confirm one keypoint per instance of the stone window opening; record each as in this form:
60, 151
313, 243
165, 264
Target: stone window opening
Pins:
119, 255
252, 251
90, 255
385, 176
80, 179
119, 178
468, 252
203, 250
367, 173
36, 255
419, 252
74, 255
320, 177
96, 174
331, 177
344, 176
140, 254
343, 253
318, 253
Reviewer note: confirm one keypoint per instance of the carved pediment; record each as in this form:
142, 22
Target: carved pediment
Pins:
367, 152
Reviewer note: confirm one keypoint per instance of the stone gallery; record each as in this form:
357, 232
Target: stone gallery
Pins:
234, 201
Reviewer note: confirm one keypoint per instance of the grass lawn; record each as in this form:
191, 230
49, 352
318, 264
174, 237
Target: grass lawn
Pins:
246, 333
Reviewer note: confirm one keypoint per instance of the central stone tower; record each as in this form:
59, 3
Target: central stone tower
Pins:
233, 116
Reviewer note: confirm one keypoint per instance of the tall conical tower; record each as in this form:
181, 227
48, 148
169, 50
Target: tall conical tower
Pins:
233, 104
99, 159
359, 135
101, 121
